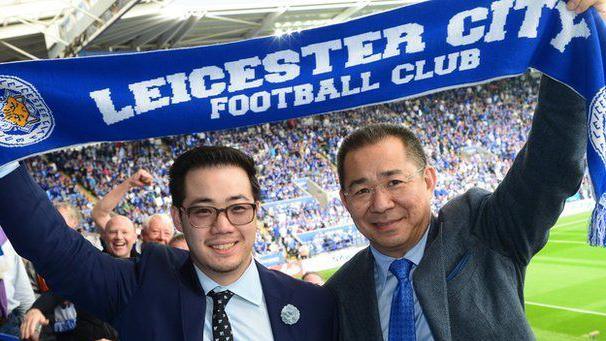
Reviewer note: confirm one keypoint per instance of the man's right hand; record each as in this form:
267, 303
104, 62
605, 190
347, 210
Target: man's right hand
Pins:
103, 208
140, 179
32, 323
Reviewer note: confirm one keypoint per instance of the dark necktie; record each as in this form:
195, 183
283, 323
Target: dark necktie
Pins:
402, 319
221, 326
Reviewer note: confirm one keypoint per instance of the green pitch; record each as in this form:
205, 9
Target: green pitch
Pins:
565, 285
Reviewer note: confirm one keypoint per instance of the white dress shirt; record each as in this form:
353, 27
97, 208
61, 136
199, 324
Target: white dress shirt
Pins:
386, 283
19, 292
246, 310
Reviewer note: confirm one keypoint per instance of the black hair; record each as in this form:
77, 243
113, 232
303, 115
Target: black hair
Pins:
209, 156
377, 132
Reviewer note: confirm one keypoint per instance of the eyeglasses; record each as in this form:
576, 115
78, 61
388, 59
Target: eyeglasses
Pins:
205, 216
361, 195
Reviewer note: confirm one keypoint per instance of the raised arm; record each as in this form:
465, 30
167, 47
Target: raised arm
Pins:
72, 267
516, 218
104, 207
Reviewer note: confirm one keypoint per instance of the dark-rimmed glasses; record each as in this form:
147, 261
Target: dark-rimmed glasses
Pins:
205, 216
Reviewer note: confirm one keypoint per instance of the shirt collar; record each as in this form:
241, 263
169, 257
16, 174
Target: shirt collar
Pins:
248, 286
383, 262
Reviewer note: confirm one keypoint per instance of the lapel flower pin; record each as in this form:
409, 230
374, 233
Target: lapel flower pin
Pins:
290, 314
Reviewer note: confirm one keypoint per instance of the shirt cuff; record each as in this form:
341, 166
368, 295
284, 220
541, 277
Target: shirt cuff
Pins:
8, 168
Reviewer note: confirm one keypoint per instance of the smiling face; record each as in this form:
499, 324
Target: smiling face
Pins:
159, 230
222, 251
120, 236
393, 220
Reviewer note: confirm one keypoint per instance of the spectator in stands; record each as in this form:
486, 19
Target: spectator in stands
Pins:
120, 237
179, 242
303, 251
70, 213
387, 186
59, 186
16, 293
313, 277
157, 229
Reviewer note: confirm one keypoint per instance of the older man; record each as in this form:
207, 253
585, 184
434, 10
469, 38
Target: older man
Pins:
71, 214
120, 237
158, 228
458, 275
179, 242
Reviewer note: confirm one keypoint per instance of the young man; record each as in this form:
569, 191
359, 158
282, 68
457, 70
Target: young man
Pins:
167, 293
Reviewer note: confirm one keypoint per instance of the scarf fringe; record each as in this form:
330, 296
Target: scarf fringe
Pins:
597, 226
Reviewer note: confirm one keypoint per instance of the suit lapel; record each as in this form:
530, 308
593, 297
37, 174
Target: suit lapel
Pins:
363, 309
430, 284
277, 295
193, 303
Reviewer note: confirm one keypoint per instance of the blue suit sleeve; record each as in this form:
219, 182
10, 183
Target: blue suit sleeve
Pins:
72, 267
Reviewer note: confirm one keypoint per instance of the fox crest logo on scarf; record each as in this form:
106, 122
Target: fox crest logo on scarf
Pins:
597, 124
24, 117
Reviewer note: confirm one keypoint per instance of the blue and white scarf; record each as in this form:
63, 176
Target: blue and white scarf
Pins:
51, 104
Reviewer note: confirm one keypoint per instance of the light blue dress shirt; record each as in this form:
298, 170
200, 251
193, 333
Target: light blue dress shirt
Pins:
246, 310
386, 282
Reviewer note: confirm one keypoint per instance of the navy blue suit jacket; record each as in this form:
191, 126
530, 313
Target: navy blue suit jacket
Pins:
154, 297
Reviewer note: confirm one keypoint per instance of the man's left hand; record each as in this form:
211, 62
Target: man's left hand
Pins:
580, 6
